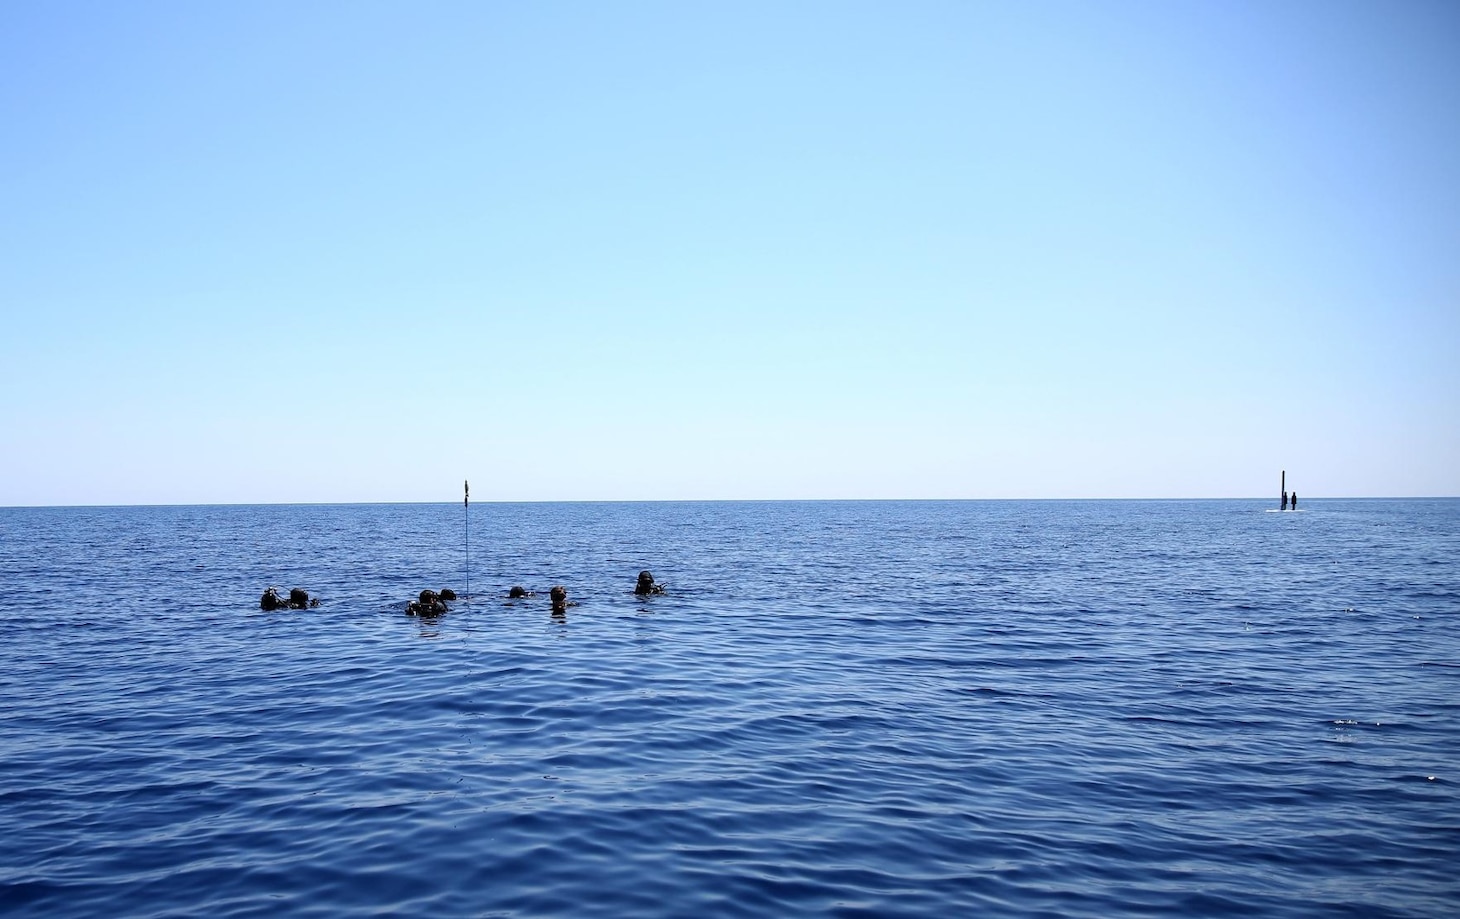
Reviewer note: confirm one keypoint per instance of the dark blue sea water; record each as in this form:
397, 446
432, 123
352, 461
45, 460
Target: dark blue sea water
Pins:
1061, 708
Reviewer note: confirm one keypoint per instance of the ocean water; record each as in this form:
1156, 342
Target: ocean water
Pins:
1003, 708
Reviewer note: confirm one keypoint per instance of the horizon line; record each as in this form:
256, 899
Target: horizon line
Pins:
708, 501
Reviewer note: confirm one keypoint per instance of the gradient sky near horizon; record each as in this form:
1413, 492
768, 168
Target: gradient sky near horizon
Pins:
353, 251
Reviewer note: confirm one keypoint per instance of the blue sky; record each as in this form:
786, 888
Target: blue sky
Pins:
323, 252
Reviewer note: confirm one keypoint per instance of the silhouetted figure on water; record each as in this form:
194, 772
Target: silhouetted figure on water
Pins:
518, 592
646, 585
429, 603
1293, 501
559, 596
298, 599
1285, 500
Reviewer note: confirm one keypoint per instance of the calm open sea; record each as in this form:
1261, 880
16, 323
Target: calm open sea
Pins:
1005, 708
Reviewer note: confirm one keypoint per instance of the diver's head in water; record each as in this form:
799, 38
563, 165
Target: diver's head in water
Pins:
646, 584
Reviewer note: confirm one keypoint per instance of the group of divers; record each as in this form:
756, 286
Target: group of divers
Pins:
433, 602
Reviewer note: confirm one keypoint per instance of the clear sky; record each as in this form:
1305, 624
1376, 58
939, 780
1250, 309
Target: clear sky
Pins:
352, 251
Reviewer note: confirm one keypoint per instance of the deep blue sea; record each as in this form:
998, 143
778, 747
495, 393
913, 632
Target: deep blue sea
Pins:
1000, 708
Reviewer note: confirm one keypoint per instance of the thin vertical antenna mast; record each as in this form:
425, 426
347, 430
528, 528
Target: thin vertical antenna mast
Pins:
466, 511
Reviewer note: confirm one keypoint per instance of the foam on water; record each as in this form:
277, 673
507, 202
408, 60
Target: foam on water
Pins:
879, 708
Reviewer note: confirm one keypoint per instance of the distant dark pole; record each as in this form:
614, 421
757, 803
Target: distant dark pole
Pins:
1285, 489
466, 510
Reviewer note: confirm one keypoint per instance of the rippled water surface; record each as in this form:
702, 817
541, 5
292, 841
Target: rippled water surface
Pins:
1083, 709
